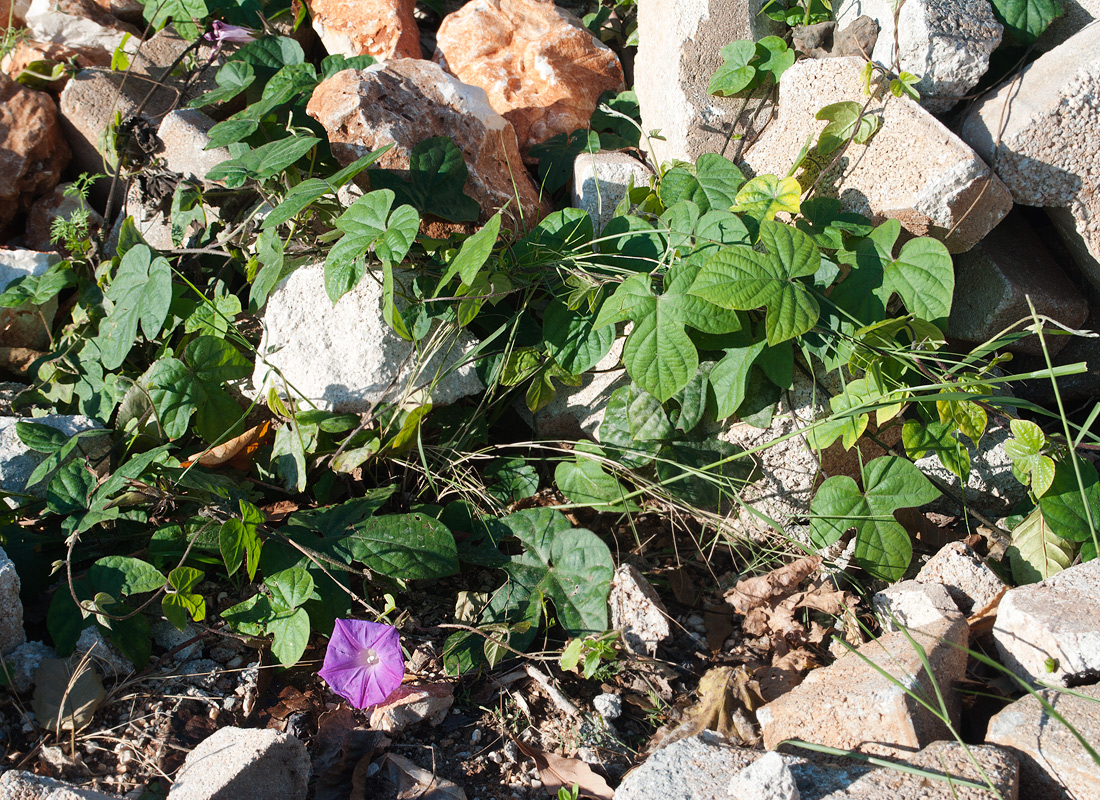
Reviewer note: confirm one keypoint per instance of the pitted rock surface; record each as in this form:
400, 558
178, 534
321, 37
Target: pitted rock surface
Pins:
914, 170
945, 42
1039, 132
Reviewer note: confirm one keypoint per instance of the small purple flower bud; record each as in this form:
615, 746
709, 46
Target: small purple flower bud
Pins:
223, 33
363, 663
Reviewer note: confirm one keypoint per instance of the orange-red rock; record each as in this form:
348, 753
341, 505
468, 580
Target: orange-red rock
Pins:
32, 150
16, 15
379, 28
27, 51
404, 101
540, 67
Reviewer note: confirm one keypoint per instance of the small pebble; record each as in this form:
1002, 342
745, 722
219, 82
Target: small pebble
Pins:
608, 705
475, 737
496, 757
696, 622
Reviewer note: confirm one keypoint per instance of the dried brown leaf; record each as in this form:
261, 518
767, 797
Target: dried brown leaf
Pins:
237, 452
415, 783
728, 699
558, 772
765, 589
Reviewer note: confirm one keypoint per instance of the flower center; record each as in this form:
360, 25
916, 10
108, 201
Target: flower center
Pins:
368, 658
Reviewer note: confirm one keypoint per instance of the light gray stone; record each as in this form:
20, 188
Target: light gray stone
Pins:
600, 182
103, 654
915, 606
698, 768
1054, 619
991, 488
19, 785
608, 705
914, 170
967, 578
679, 44
946, 43
995, 280
767, 778
345, 357
184, 135
24, 661
169, 636
852, 705
1039, 132
1053, 764
11, 607
25, 325
17, 461
240, 764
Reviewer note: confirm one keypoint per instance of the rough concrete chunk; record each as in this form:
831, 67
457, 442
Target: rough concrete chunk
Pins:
967, 578
19, 785
77, 23
851, 705
914, 605
406, 100
24, 661
240, 764
577, 411
946, 42
995, 279
997, 764
914, 170
25, 325
1055, 619
345, 357
600, 181
991, 488
11, 607
637, 611
1047, 120
17, 461
1053, 764
699, 768
679, 49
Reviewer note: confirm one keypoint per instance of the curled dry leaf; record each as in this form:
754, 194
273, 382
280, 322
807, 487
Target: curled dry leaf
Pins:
765, 589
557, 772
237, 452
19, 359
727, 701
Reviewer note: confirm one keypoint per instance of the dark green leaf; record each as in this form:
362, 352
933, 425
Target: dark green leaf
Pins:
437, 175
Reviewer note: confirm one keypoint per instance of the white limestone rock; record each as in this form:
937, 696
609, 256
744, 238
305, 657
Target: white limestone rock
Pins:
345, 357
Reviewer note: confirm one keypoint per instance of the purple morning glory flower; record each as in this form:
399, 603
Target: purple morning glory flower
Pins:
363, 663
223, 32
